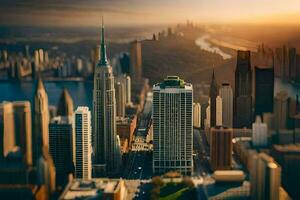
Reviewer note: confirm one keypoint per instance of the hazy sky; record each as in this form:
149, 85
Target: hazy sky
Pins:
123, 12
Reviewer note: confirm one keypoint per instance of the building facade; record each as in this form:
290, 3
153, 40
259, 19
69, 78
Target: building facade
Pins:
213, 98
173, 126
226, 94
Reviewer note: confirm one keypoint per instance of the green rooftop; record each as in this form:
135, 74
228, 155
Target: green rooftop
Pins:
173, 81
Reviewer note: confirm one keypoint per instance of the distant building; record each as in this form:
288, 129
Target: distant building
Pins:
65, 104
265, 178
61, 147
136, 59
226, 94
197, 115
173, 126
213, 96
106, 149
281, 110
82, 151
112, 189
207, 119
23, 129
264, 90
259, 133
120, 99
219, 120
125, 129
220, 148
7, 129
41, 120
243, 90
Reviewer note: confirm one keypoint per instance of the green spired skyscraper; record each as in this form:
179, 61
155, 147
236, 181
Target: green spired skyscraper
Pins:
106, 145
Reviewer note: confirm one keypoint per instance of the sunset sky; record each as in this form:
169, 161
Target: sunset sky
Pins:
138, 12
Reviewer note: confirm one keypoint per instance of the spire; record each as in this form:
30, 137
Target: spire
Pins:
40, 84
103, 57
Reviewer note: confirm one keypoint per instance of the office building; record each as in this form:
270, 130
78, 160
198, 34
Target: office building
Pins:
172, 126
7, 129
226, 94
265, 177
136, 59
243, 90
259, 133
220, 148
23, 129
82, 145
281, 110
106, 150
264, 90
197, 115
213, 97
120, 99
65, 104
219, 115
41, 120
207, 119
61, 147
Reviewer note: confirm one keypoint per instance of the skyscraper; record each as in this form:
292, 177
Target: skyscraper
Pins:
172, 126
197, 115
243, 90
281, 110
226, 94
41, 120
82, 145
259, 133
136, 59
265, 178
264, 90
61, 147
220, 148
23, 129
213, 96
120, 99
107, 155
219, 120
7, 129
65, 105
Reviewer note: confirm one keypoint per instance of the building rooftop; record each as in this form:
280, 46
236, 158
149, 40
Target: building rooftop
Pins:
172, 82
61, 120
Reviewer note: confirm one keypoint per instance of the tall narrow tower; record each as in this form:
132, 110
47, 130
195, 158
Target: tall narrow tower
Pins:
107, 156
41, 120
213, 104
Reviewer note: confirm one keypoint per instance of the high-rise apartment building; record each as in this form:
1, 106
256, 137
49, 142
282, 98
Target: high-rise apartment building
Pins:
243, 90
61, 147
226, 94
65, 104
82, 145
220, 148
173, 126
106, 150
264, 90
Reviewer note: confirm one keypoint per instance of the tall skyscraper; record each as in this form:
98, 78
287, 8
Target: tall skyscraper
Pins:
220, 148
259, 133
136, 59
219, 120
243, 90
213, 96
65, 105
107, 156
197, 115
120, 99
264, 90
41, 120
265, 178
226, 94
173, 126
7, 129
61, 147
82, 148
23, 129
281, 110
